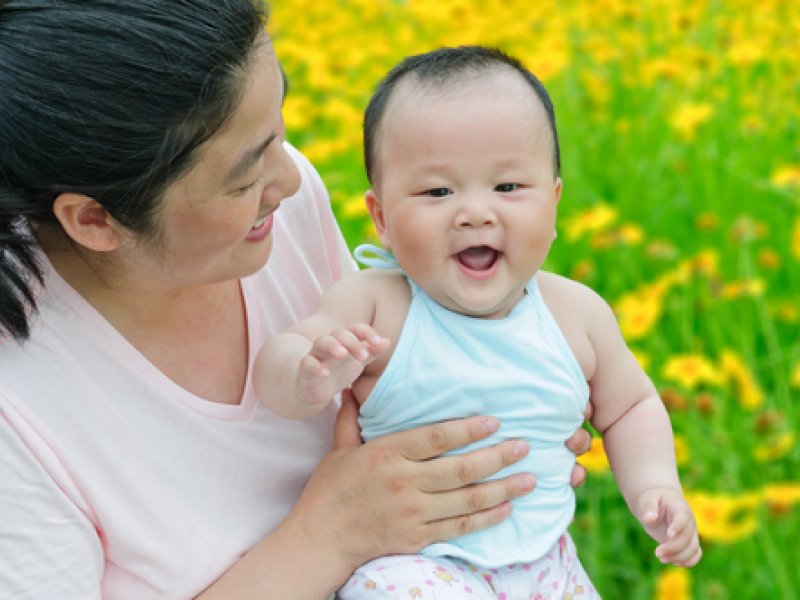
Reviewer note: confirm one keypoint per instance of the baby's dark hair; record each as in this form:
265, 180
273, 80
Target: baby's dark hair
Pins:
441, 67
112, 100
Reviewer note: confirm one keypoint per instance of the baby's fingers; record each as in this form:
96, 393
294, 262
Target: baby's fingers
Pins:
328, 347
355, 340
370, 339
681, 521
650, 511
682, 547
310, 367
680, 552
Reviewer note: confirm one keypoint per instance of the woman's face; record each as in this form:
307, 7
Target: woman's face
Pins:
216, 221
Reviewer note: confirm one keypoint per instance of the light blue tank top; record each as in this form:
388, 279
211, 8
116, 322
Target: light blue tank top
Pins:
518, 369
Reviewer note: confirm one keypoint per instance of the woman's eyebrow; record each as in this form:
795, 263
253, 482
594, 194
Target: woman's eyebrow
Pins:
248, 159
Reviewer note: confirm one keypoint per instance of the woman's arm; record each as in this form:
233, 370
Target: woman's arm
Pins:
49, 548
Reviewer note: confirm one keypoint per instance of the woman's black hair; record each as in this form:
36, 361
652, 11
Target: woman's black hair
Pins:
441, 67
110, 99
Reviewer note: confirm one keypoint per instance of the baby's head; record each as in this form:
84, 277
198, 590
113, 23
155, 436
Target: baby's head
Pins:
440, 71
462, 154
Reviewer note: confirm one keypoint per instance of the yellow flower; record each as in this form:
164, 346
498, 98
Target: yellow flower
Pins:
795, 378
769, 259
747, 229
353, 207
787, 312
775, 448
298, 112
673, 584
582, 270
688, 117
781, 497
595, 460
796, 240
786, 176
661, 68
626, 234
322, 150
744, 288
596, 85
724, 518
691, 370
630, 234
642, 358
662, 250
681, 450
637, 314
592, 220
707, 221
753, 124
706, 262
736, 373
745, 52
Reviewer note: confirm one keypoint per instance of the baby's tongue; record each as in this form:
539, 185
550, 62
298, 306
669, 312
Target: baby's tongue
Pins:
478, 258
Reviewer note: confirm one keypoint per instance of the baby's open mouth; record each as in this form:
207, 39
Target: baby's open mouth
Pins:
478, 258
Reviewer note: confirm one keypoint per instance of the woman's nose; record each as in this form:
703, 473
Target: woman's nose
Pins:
288, 179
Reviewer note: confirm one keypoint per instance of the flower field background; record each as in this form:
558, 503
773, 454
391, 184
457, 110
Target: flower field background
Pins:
680, 132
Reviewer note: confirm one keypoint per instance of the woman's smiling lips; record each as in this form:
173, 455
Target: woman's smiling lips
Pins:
261, 229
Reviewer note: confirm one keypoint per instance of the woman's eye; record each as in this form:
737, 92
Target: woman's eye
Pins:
506, 187
438, 192
243, 190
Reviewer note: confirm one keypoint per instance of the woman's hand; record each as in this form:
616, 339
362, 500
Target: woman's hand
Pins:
391, 495
388, 496
580, 442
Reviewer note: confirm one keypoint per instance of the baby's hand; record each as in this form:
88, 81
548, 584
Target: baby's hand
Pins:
669, 520
336, 360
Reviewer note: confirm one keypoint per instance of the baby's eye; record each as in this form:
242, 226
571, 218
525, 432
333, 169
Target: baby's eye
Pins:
506, 187
438, 192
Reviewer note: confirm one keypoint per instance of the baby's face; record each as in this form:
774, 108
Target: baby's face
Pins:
466, 195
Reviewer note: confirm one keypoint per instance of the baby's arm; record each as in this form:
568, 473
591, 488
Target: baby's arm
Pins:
297, 372
638, 439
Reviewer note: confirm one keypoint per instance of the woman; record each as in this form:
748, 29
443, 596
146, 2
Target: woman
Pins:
144, 184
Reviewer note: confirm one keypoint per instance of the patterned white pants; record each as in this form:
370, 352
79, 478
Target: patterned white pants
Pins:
557, 575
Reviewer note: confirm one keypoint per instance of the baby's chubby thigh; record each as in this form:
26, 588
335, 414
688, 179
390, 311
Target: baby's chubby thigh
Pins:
416, 577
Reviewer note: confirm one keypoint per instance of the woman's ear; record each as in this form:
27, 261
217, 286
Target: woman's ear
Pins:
376, 212
87, 222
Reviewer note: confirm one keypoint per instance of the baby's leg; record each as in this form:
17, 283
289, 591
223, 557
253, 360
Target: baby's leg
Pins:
558, 574
415, 577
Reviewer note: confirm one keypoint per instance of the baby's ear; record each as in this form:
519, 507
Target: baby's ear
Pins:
87, 222
376, 212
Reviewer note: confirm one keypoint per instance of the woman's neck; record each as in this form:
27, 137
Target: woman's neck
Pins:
195, 334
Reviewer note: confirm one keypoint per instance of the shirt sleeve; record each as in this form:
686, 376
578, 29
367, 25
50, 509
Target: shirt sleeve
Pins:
49, 547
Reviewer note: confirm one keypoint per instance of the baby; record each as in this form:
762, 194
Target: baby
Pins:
462, 154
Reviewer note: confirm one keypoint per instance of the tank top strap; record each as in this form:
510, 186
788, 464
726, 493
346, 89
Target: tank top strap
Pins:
375, 257
532, 288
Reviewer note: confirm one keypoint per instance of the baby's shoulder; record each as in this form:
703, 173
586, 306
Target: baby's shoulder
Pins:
572, 300
562, 290
382, 285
